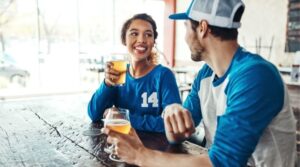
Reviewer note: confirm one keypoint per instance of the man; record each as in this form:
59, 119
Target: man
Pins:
240, 97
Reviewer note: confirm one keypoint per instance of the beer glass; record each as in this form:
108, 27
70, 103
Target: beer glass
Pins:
120, 66
117, 119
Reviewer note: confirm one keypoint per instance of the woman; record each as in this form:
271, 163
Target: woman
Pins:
149, 87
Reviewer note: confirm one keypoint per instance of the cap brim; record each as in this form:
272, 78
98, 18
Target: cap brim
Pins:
178, 16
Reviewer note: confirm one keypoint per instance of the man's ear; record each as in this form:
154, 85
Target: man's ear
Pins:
202, 28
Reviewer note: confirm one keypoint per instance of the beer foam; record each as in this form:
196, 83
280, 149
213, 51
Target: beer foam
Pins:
116, 122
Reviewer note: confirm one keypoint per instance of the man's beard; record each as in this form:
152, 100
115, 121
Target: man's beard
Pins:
197, 56
197, 52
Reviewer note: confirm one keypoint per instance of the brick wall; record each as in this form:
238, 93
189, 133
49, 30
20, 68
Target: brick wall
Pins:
294, 92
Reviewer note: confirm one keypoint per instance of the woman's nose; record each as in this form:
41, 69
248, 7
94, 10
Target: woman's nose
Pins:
141, 38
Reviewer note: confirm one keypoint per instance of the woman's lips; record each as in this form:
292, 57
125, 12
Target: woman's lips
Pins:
140, 49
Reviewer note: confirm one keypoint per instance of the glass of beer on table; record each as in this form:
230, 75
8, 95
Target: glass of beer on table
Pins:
120, 66
117, 119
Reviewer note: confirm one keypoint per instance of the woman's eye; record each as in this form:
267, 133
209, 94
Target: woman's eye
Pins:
133, 34
149, 35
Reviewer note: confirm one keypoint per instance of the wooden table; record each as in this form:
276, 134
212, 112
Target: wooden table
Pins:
48, 131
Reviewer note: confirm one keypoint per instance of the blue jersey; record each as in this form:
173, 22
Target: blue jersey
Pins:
145, 97
246, 115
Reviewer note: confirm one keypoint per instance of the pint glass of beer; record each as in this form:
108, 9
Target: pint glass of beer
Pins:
117, 119
120, 66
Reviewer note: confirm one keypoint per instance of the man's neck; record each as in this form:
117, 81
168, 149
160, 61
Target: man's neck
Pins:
220, 55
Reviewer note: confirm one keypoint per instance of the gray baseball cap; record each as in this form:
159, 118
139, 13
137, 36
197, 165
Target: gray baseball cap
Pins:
218, 13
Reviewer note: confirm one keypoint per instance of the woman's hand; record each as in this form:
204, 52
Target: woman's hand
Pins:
111, 75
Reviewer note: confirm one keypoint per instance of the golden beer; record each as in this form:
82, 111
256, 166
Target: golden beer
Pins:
118, 125
120, 66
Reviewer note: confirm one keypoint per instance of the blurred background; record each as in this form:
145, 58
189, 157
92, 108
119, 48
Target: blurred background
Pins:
57, 46
62, 45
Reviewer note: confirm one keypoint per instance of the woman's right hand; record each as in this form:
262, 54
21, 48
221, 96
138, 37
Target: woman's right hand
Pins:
111, 75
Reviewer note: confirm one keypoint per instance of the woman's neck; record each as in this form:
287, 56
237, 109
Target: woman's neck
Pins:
140, 69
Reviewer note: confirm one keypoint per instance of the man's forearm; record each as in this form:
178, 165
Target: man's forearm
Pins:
151, 158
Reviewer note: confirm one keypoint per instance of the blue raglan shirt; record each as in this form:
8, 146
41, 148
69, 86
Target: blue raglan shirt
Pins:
145, 97
237, 107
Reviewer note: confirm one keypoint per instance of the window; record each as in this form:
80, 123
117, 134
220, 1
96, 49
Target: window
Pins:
53, 40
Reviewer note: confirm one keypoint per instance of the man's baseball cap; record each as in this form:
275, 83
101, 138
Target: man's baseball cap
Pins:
218, 13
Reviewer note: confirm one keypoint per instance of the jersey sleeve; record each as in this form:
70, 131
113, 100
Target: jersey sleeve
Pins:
255, 96
103, 98
169, 89
192, 102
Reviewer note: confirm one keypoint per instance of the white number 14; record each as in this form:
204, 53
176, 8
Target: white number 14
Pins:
151, 99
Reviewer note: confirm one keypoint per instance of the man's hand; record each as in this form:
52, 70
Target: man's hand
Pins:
178, 123
128, 147
131, 150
